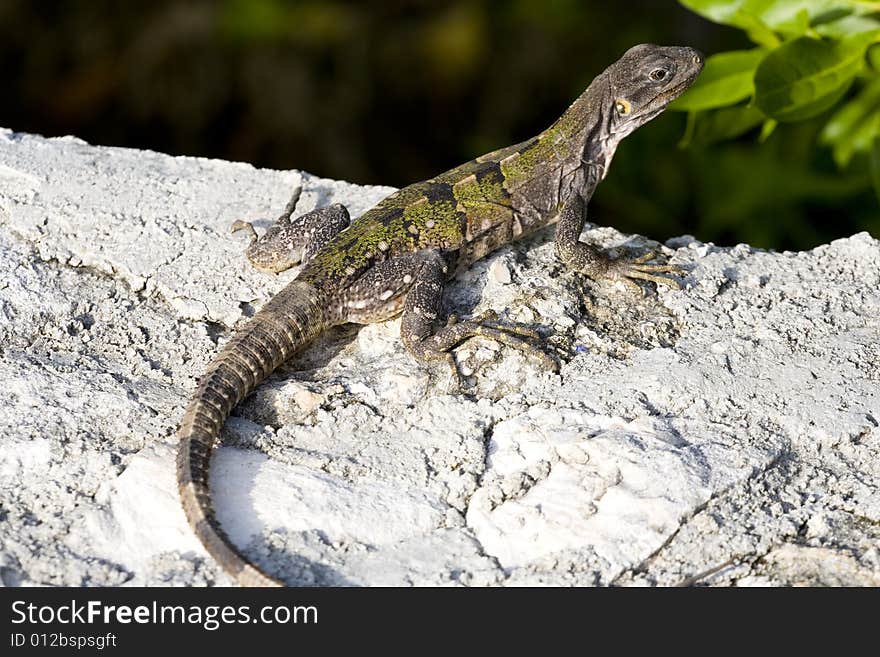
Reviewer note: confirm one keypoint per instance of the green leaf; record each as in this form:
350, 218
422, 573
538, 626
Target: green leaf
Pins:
874, 58
794, 17
719, 11
847, 25
862, 138
757, 30
789, 17
805, 77
767, 129
853, 128
797, 25
726, 79
743, 14
725, 123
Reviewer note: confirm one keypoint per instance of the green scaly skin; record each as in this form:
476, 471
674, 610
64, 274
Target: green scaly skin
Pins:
397, 256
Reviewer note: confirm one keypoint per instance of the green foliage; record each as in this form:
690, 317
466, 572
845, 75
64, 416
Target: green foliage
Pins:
804, 77
392, 92
810, 55
726, 79
854, 126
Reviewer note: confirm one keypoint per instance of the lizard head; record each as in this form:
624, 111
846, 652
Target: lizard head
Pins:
645, 80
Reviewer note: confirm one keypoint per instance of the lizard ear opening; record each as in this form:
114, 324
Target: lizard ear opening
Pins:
622, 105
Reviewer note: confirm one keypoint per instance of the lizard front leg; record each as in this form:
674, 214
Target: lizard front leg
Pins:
598, 264
289, 241
421, 308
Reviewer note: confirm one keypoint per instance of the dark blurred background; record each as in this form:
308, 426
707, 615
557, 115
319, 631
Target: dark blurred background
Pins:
394, 92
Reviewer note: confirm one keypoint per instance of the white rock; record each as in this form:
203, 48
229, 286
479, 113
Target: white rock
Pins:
726, 432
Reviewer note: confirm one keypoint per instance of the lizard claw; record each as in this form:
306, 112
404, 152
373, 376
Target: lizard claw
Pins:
487, 316
640, 268
283, 219
490, 320
486, 325
454, 385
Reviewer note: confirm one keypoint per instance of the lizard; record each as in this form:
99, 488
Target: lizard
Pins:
395, 259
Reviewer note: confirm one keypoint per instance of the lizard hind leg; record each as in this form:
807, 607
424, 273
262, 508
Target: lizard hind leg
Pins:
421, 308
292, 241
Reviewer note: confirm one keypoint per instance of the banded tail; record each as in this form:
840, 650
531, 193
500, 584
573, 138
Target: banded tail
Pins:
287, 322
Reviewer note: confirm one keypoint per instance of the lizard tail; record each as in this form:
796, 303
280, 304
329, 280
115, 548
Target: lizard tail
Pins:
286, 323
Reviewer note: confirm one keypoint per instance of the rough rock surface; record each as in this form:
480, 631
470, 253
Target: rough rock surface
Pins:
726, 433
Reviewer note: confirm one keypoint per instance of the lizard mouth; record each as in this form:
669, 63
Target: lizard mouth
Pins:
674, 92
679, 89
667, 96
663, 99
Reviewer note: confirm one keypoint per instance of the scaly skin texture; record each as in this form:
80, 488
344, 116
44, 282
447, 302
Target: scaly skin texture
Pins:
397, 256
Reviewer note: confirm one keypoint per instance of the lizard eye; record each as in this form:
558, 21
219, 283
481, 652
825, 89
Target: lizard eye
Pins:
659, 74
622, 106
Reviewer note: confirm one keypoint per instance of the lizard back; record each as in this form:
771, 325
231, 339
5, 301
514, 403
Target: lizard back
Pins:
466, 212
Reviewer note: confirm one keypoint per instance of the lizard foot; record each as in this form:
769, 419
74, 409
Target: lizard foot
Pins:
486, 326
439, 346
489, 319
238, 225
630, 270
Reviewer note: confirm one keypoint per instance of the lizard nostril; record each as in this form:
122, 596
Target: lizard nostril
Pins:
698, 60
